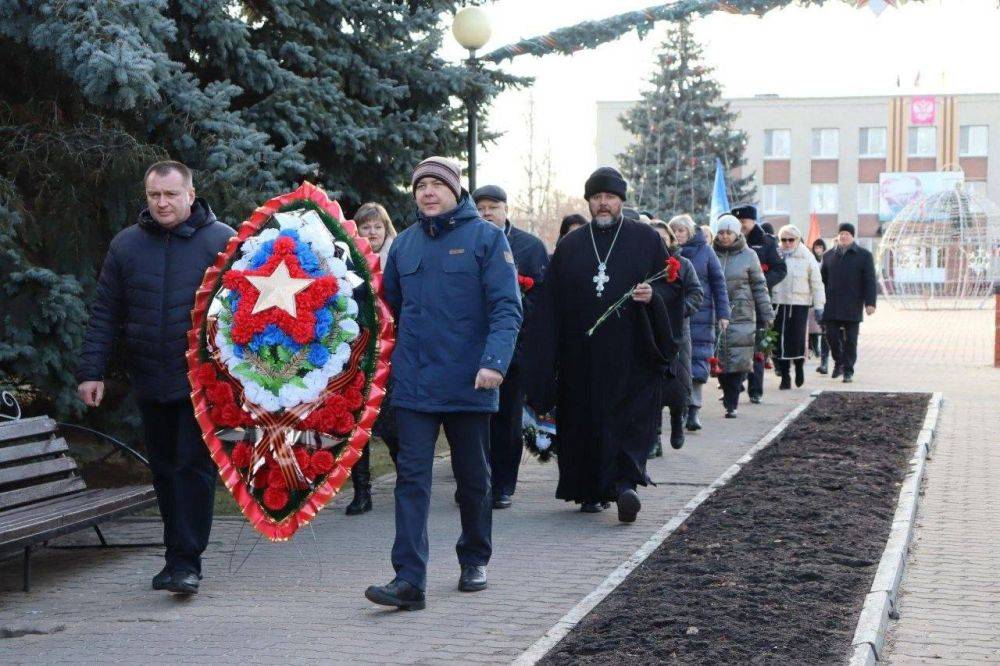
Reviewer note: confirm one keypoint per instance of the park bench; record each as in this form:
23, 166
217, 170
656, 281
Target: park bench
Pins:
42, 492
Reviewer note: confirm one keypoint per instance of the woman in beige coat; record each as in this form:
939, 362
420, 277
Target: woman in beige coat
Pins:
801, 289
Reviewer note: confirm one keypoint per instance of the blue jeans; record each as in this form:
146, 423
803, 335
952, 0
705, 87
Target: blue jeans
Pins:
468, 436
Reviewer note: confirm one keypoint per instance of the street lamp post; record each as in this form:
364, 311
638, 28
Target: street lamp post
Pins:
472, 30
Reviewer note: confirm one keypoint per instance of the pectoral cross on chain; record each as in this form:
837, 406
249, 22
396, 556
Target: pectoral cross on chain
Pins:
601, 278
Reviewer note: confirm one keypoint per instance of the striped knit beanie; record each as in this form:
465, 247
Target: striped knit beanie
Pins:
446, 170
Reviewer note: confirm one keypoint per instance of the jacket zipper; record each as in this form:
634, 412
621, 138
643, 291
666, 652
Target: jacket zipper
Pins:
163, 299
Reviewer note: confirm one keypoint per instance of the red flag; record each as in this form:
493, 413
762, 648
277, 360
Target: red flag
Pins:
813, 230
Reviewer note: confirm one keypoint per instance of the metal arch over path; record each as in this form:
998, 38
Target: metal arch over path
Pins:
589, 34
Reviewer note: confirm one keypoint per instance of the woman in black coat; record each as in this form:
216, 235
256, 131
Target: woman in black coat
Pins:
677, 388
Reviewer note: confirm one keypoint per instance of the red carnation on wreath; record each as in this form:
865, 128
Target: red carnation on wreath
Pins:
321, 462
525, 282
673, 269
275, 498
242, 455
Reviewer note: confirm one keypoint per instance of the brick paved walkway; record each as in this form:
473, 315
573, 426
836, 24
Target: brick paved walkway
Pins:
302, 602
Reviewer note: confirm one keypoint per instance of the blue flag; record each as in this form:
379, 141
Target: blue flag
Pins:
720, 202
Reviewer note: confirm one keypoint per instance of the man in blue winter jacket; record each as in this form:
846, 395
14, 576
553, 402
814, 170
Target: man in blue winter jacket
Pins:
451, 283
146, 289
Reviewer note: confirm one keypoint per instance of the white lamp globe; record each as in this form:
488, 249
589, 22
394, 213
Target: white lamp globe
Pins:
472, 27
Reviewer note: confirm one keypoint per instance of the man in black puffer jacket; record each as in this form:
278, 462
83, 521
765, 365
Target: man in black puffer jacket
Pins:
146, 290
774, 269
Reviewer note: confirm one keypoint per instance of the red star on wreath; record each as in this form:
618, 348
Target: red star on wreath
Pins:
281, 273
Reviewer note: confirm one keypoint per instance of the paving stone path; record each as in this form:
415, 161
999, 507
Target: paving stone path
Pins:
302, 601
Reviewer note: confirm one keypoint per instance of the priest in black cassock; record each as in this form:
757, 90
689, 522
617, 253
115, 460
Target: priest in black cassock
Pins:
606, 387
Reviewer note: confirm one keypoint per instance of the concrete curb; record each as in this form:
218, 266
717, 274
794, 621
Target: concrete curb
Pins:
559, 630
880, 603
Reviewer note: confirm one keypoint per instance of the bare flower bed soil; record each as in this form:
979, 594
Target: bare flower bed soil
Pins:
774, 567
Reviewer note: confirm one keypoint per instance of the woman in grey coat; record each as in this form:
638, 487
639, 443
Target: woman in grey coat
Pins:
748, 300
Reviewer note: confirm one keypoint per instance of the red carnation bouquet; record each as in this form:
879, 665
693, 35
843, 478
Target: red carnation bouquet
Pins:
288, 355
526, 283
671, 272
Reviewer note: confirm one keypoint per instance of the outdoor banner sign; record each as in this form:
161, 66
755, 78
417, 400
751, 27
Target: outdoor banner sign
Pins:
288, 358
897, 189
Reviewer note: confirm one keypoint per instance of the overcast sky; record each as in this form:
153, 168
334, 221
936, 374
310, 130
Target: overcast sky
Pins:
822, 51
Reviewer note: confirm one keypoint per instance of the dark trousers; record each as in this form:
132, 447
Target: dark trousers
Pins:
732, 386
468, 436
755, 378
785, 365
843, 339
506, 434
819, 346
184, 480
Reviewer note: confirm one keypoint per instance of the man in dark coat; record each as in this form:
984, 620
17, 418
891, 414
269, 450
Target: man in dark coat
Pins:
147, 286
774, 269
450, 282
530, 261
606, 386
848, 273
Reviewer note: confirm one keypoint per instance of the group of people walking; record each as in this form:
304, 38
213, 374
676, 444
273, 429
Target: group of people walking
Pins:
486, 323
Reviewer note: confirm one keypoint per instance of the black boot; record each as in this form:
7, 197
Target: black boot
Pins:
362, 478
676, 428
800, 374
693, 423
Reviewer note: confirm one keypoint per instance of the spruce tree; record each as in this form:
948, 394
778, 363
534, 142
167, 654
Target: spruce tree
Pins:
681, 125
254, 95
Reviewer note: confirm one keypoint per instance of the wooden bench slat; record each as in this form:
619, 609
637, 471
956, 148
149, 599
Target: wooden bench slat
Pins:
42, 491
36, 469
33, 449
78, 501
60, 517
36, 425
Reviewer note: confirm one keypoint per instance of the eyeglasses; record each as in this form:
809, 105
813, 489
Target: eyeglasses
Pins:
787, 240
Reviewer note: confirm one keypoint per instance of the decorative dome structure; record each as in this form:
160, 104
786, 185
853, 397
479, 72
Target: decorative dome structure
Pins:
941, 252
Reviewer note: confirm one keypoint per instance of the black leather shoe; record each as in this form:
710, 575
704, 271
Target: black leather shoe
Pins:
502, 502
848, 377
693, 422
730, 413
362, 502
591, 507
836, 372
756, 399
162, 580
183, 582
822, 369
398, 593
786, 383
473, 579
628, 506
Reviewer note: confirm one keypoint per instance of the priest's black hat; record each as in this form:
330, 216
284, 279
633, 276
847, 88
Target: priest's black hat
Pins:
494, 192
744, 212
605, 179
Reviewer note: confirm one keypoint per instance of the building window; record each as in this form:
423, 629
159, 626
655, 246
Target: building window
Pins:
872, 142
867, 198
823, 198
922, 142
825, 143
777, 144
973, 140
776, 199
975, 187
